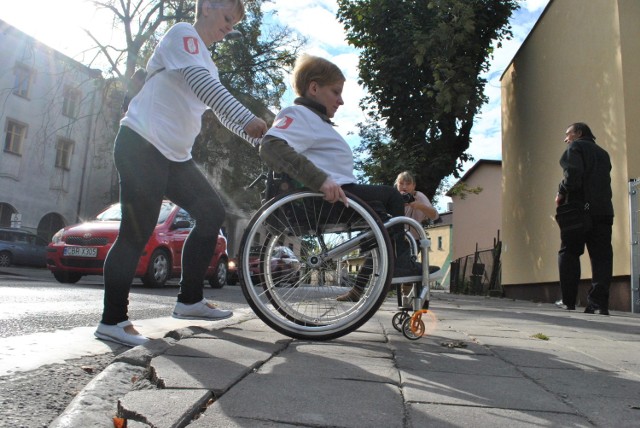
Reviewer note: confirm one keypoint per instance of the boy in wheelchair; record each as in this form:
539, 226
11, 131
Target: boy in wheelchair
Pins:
304, 144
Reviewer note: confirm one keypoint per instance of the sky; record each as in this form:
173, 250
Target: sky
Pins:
62, 28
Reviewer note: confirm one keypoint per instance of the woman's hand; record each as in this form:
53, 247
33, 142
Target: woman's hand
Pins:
256, 128
333, 192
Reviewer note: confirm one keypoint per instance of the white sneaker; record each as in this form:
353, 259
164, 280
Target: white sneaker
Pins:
199, 311
559, 303
117, 334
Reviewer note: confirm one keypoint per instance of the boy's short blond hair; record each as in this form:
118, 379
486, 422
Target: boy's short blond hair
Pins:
405, 176
237, 4
311, 68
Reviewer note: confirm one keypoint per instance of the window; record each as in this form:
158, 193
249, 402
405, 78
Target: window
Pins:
71, 102
15, 134
22, 80
64, 150
439, 242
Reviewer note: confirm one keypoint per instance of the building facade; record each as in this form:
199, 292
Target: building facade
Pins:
55, 162
441, 236
477, 211
580, 63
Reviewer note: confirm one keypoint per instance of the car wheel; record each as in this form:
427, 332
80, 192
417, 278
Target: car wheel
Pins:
159, 269
219, 278
67, 277
5, 259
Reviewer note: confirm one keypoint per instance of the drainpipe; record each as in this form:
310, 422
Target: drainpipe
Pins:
87, 146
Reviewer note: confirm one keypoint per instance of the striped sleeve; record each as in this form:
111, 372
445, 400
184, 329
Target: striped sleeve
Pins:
227, 108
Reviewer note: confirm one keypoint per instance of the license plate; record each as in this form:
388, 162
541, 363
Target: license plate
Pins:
80, 251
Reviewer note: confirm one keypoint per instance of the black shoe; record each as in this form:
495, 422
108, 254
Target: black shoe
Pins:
404, 268
592, 308
570, 308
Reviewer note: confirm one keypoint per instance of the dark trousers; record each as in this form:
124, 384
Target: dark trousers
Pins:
387, 195
393, 204
146, 178
597, 238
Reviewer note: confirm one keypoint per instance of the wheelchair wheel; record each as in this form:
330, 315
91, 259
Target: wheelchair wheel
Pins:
408, 333
398, 320
300, 252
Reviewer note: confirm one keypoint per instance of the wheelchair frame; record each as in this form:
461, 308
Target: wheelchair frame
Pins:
302, 302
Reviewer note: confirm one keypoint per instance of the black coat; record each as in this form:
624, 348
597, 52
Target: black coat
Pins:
586, 168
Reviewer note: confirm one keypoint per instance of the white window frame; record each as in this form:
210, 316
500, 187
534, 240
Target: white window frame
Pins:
64, 152
71, 103
15, 133
23, 76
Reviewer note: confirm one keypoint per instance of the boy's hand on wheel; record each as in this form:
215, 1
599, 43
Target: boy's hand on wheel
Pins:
333, 192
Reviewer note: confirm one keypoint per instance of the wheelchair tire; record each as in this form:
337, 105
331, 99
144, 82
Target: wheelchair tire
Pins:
296, 296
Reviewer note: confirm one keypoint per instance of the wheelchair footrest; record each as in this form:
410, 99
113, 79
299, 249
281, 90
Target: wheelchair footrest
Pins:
406, 279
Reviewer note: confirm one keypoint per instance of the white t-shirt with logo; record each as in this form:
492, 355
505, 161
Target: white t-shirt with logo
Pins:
317, 140
166, 112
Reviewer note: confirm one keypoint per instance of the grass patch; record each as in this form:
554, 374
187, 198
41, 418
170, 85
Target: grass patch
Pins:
540, 336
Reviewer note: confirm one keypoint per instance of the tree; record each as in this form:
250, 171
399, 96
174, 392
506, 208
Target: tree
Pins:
139, 21
421, 63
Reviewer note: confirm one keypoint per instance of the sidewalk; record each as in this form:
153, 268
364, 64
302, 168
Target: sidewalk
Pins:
479, 365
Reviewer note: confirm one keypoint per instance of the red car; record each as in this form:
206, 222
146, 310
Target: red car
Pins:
80, 249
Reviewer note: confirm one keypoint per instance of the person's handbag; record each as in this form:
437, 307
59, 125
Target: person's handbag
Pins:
573, 216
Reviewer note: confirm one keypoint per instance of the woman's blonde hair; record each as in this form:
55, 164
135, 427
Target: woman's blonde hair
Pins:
405, 176
311, 68
238, 6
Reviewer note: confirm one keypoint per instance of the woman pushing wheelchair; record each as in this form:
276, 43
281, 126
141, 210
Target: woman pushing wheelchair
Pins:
304, 144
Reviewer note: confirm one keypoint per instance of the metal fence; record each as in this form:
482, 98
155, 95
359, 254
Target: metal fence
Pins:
477, 273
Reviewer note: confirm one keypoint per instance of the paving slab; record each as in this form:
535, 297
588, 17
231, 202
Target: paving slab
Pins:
242, 350
327, 367
593, 383
475, 390
291, 400
215, 374
444, 416
164, 407
455, 363
551, 358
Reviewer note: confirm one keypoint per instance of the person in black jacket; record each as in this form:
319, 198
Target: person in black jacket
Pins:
586, 168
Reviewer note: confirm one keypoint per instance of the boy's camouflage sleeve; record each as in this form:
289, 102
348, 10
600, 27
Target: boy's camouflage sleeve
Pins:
281, 157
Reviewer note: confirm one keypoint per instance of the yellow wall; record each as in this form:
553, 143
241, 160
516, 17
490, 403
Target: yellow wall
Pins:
440, 256
579, 64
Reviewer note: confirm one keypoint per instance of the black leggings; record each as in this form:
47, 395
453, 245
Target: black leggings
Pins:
146, 178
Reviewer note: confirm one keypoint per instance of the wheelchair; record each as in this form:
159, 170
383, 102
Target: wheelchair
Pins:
294, 292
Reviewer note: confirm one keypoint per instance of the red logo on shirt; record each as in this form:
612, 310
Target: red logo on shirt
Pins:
283, 123
191, 45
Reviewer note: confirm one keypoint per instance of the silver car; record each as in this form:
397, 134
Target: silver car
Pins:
19, 247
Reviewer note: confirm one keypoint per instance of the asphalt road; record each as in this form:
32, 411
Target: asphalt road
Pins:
47, 349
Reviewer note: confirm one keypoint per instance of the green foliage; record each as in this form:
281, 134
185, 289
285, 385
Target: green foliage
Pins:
421, 63
461, 190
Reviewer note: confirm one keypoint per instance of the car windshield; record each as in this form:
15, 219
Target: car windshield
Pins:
113, 213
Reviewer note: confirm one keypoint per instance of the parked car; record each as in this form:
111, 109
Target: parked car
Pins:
232, 271
19, 247
80, 249
285, 264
